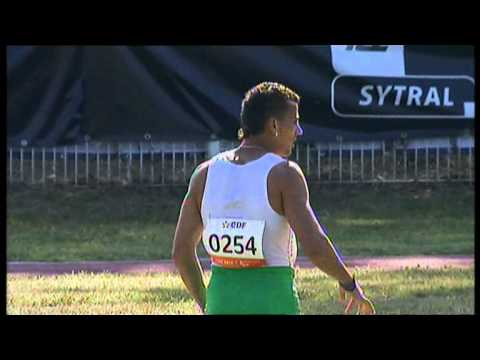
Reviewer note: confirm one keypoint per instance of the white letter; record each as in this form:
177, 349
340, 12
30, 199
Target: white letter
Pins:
366, 95
383, 94
399, 89
446, 95
414, 93
432, 96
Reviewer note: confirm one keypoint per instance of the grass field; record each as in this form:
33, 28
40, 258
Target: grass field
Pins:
412, 291
115, 223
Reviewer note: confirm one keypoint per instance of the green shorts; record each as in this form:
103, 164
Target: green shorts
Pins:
266, 290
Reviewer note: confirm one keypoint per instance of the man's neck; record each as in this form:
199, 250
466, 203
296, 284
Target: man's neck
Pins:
257, 142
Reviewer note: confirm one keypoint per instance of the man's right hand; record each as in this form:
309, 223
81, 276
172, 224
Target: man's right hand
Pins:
356, 299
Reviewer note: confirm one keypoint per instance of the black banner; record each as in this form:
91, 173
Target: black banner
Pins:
44, 94
58, 95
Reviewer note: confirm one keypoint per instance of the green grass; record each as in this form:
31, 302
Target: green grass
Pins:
412, 291
125, 223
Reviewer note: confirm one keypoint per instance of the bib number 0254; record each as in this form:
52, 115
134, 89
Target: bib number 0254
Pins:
227, 245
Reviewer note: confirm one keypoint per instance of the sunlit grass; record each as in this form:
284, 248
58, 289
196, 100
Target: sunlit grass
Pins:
411, 291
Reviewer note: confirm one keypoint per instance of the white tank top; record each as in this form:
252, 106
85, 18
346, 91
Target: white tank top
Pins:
240, 191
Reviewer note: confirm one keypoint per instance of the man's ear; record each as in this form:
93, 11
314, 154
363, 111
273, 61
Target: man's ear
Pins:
272, 126
275, 126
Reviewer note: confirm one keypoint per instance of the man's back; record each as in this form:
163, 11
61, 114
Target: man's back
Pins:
239, 191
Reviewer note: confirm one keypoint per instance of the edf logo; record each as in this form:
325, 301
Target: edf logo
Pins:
234, 225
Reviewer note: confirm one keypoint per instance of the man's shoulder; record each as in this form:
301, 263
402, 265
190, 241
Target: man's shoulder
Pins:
200, 172
197, 183
287, 173
203, 166
287, 168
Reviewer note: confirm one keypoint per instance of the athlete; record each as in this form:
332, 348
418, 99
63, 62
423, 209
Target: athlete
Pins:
248, 206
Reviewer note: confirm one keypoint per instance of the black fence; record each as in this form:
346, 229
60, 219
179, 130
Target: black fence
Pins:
159, 164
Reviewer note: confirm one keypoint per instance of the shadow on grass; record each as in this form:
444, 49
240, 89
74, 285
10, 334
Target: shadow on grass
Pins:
155, 295
63, 223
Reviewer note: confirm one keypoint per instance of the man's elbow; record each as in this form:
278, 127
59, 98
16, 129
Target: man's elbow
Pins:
180, 254
315, 249
313, 253
177, 255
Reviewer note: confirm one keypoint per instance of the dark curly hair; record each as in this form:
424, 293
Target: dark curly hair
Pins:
261, 102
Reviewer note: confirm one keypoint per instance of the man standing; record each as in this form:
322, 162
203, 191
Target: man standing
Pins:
248, 205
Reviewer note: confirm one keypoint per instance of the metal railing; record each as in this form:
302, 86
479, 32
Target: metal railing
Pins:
173, 163
385, 162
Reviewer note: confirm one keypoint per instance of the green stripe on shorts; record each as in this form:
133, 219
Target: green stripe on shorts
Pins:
265, 290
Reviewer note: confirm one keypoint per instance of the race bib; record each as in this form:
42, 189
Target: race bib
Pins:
235, 243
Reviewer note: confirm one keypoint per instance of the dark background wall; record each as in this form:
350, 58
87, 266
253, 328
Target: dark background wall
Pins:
57, 95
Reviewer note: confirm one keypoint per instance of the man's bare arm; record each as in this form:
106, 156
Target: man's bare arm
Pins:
316, 245
187, 236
